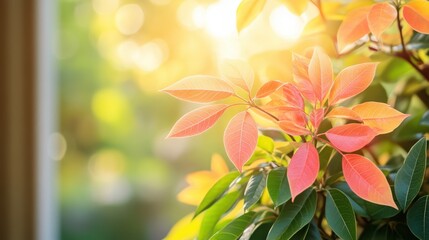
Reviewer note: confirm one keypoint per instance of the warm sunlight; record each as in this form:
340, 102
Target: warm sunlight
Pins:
286, 24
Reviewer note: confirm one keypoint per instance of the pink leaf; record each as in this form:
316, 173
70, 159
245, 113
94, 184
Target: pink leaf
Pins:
292, 97
240, 138
200, 88
320, 73
343, 112
197, 121
303, 169
238, 72
301, 78
350, 137
352, 81
316, 117
366, 180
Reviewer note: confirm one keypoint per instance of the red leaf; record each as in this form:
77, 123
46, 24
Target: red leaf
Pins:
343, 112
353, 28
380, 17
301, 78
366, 180
303, 169
240, 138
381, 117
350, 137
316, 117
292, 97
200, 88
197, 121
268, 88
320, 73
351, 81
416, 13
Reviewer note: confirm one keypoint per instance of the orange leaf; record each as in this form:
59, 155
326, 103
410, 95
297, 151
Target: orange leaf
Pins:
268, 88
320, 73
350, 137
238, 72
352, 81
292, 97
301, 78
197, 121
366, 180
380, 17
303, 169
240, 138
343, 112
290, 127
416, 13
381, 117
200, 88
316, 117
353, 28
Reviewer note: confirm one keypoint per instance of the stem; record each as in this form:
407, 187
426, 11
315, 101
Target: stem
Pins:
322, 212
262, 110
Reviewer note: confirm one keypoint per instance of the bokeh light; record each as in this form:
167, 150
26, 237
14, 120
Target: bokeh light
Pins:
286, 24
129, 19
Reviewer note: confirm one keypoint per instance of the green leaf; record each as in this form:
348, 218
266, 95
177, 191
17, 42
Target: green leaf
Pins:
309, 232
215, 212
339, 214
374, 93
278, 186
425, 119
418, 218
325, 155
409, 178
266, 143
247, 11
363, 207
234, 229
410, 129
216, 191
396, 70
254, 189
294, 216
261, 231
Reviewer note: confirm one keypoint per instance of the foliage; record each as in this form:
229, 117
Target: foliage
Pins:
315, 143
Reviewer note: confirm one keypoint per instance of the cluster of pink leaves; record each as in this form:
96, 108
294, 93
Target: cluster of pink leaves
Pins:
298, 108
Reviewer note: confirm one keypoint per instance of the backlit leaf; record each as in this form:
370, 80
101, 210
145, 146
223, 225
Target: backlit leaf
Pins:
320, 73
366, 180
416, 13
409, 178
380, 17
350, 137
292, 97
294, 216
339, 214
216, 191
278, 186
214, 213
418, 218
240, 139
303, 169
343, 112
238, 72
247, 11
254, 189
296, 7
351, 81
200, 89
290, 127
381, 117
266, 143
197, 121
268, 88
301, 78
316, 117
235, 228
184, 229
353, 28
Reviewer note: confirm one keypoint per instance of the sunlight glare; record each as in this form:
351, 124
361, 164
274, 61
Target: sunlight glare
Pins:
129, 19
220, 18
149, 57
286, 24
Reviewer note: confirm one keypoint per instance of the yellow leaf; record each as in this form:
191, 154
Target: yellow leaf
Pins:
185, 228
247, 11
296, 7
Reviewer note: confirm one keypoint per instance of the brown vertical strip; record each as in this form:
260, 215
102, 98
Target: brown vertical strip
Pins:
17, 88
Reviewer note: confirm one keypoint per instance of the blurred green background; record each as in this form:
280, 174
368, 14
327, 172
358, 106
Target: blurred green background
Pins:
118, 175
